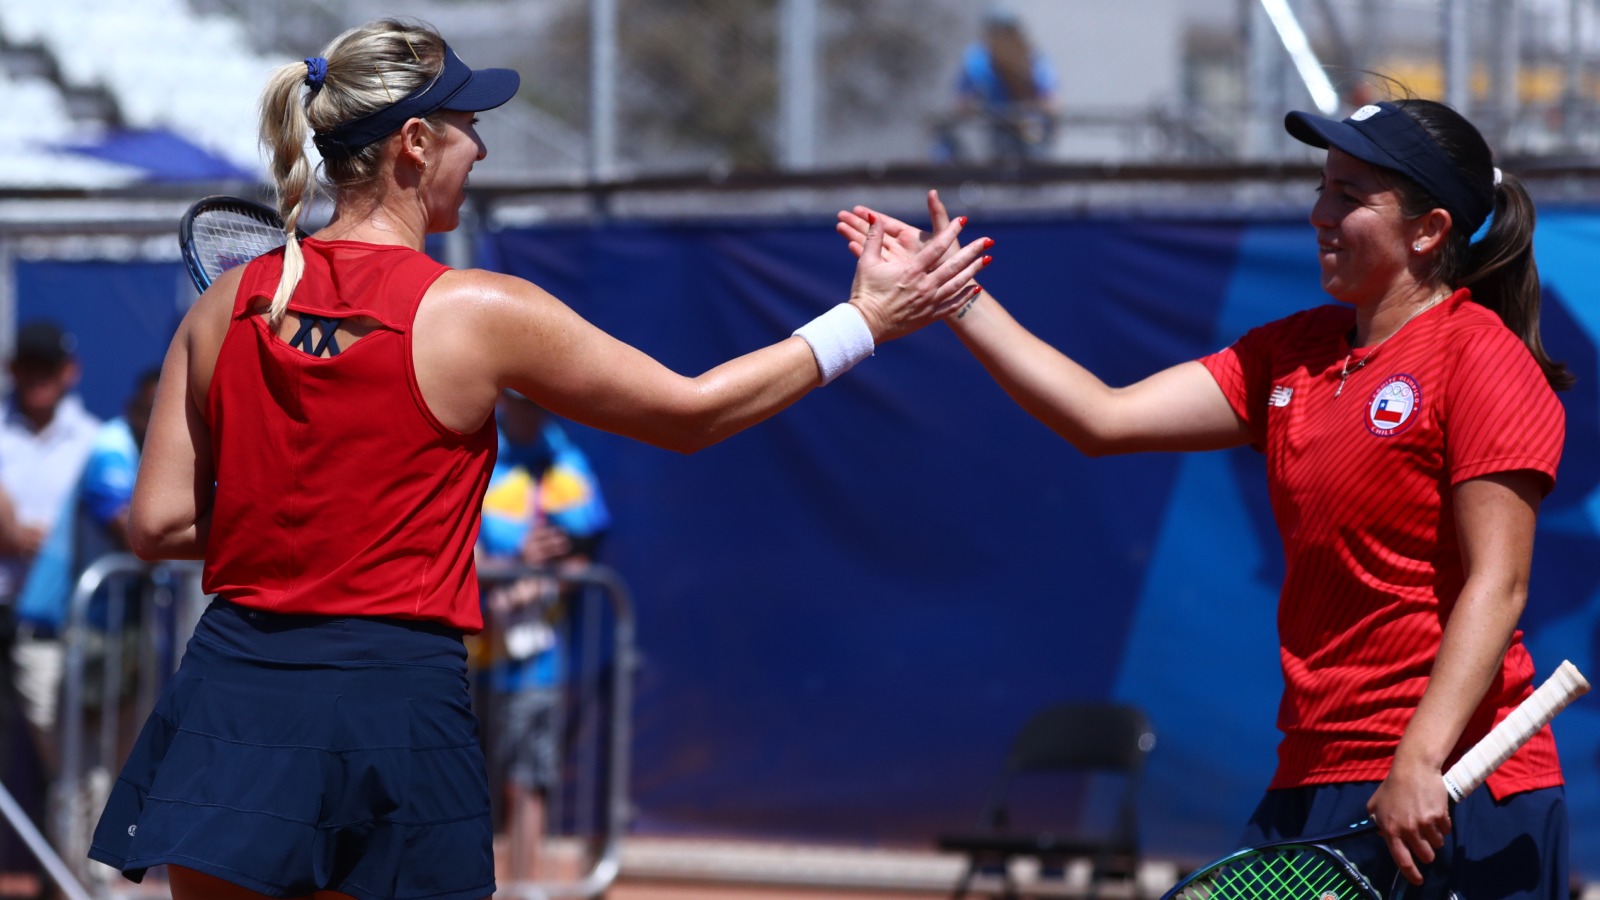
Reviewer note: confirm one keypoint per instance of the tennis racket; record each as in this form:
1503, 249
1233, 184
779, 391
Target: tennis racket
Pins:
218, 233
1311, 868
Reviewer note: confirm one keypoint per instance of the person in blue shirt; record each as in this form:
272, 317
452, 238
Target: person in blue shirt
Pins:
1010, 87
92, 523
543, 508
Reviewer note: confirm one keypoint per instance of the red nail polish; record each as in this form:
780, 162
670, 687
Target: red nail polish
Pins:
872, 219
987, 243
987, 260
963, 221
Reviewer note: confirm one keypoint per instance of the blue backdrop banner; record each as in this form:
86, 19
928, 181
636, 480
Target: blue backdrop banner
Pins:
845, 612
122, 314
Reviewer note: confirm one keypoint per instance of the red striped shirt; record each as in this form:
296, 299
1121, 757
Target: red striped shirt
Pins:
338, 491
1361, 487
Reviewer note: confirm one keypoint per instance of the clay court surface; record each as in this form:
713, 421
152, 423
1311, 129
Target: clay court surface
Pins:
689, 869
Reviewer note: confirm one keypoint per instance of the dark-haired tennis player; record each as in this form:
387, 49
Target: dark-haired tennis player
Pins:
322, 437
1410, 431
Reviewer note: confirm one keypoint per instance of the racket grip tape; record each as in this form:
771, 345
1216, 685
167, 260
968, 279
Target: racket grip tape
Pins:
1565, 685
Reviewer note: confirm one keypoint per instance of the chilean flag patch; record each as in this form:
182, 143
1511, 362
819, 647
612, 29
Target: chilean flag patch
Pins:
1390, 411
1394, 405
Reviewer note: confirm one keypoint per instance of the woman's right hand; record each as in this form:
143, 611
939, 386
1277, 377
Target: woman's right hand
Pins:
904, 281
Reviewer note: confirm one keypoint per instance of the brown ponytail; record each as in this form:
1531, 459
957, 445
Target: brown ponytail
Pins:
1499, 269
1501, 272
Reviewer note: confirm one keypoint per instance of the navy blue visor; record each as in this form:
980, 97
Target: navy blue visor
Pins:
1386, 136
457, 87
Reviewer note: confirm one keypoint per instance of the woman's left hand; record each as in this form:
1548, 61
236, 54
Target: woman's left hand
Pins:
1412, 810
901, 239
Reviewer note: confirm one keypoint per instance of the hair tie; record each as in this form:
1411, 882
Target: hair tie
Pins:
316, 72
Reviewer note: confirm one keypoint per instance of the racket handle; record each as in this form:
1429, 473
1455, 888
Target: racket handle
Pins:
1565, 685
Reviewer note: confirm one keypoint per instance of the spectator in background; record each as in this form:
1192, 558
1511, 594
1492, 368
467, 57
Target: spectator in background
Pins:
107, 482
44, 439
91, 523
1009, 87
19, 873
543, 508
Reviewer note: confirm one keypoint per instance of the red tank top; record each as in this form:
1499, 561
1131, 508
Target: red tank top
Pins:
338, 491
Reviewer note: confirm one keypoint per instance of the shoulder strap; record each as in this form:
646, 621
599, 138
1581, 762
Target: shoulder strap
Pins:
259, 280
389, 292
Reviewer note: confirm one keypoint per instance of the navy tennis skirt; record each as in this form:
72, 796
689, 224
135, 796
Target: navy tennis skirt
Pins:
1510, 849
292, 754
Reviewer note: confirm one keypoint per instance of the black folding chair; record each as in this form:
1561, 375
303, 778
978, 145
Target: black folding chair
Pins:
1086, 740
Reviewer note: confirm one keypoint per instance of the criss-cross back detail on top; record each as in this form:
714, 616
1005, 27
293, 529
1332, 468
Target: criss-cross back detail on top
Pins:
320, 335
304, 340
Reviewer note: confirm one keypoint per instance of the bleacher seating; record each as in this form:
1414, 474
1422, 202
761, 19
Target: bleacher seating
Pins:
34, 117
162, 64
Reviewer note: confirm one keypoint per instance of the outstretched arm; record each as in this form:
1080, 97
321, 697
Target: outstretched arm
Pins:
494, 331
1180, 408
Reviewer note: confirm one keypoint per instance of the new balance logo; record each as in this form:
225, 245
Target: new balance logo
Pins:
1280, 396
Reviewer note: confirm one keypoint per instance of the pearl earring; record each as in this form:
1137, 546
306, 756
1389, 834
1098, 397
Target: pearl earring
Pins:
1417, 247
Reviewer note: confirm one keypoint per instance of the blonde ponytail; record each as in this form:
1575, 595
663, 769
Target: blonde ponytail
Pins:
366, 68
284, 130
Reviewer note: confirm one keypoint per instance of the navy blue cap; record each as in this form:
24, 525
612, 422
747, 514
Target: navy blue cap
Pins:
458, 87
1386, 136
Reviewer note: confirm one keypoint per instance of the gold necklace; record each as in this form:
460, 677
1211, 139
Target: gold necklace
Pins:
1345, 370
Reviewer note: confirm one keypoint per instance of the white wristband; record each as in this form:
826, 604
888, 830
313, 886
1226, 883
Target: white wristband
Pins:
839, 339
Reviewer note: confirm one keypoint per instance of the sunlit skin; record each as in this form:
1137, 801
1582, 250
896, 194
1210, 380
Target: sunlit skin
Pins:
477, 333
1373, 256
444, 182
424, 182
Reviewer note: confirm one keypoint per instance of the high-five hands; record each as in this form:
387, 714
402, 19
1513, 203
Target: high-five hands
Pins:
906, 278
900, 238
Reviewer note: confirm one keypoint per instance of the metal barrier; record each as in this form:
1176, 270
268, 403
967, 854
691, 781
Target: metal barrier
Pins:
617, 808
173, 590
53, 864
80, 791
